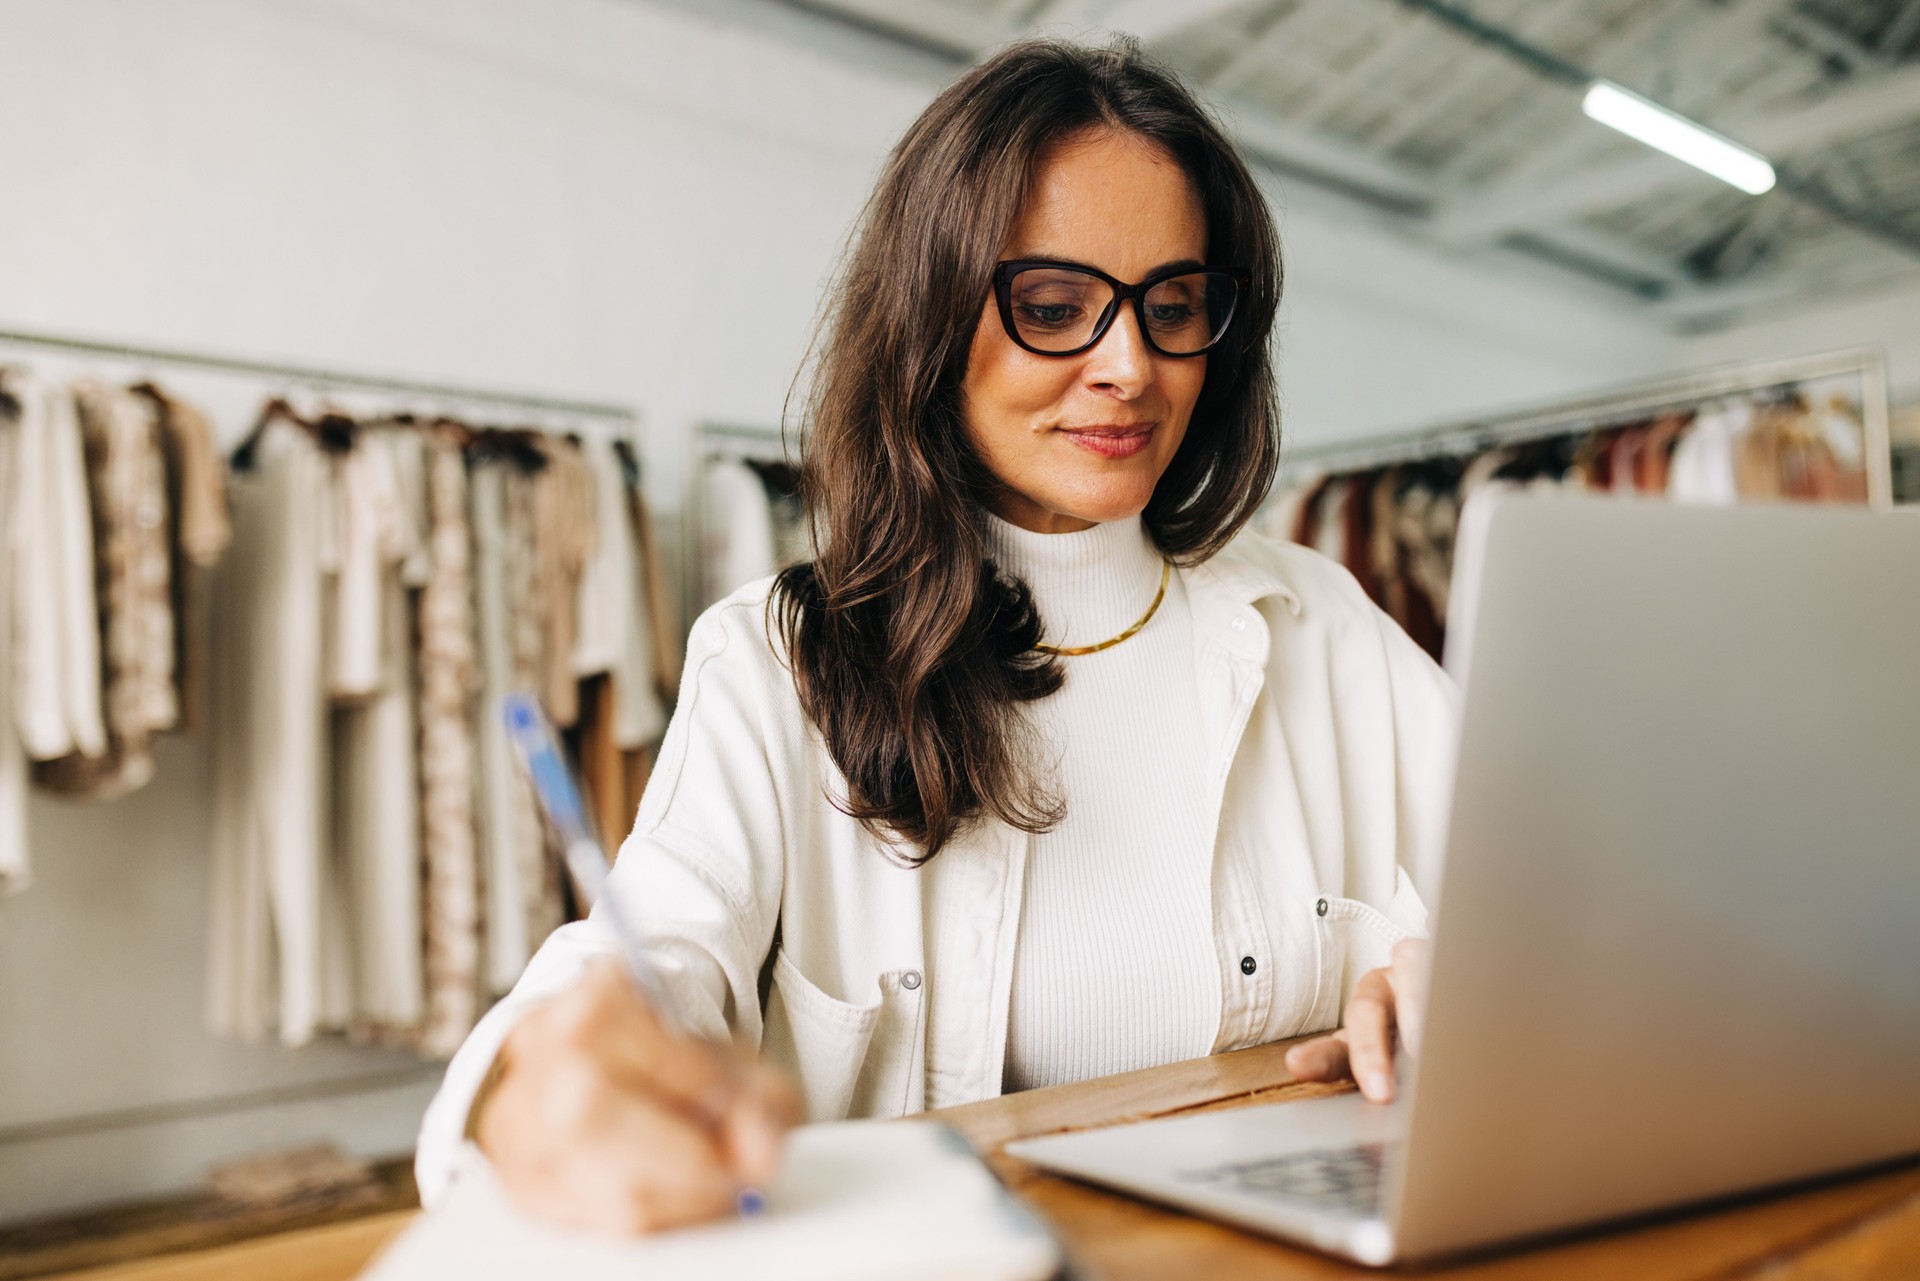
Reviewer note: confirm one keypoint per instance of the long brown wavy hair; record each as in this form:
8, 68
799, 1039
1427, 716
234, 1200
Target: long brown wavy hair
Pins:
911, 651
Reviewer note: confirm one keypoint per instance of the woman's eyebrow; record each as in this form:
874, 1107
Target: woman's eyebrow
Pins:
1068, 260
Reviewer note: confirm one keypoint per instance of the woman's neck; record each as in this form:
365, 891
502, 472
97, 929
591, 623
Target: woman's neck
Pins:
1089, 584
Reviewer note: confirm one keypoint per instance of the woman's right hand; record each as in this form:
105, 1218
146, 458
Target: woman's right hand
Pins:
606, 1118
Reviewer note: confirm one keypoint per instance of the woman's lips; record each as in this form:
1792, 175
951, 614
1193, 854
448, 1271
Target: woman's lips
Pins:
1112, 442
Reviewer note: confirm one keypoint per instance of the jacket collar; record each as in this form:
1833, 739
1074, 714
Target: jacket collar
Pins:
1244, 572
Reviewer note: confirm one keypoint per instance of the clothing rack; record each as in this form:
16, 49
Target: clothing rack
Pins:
320, 378
1625, 404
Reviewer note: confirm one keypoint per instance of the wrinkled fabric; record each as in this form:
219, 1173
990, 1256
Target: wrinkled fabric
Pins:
126, 469
56, 671
563, 543
375, 731
16, 871
615, 635
523, 900
200, 534
449, 683
272, 964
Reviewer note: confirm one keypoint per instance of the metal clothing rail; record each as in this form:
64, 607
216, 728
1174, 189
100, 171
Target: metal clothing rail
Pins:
321, 377
1625, 404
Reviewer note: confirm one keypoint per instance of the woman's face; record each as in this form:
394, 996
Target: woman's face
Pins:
1079, 440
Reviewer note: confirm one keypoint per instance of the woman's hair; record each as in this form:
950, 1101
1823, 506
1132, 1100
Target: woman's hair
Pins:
910, 650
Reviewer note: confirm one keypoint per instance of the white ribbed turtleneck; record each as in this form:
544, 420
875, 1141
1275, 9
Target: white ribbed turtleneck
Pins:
1115, 967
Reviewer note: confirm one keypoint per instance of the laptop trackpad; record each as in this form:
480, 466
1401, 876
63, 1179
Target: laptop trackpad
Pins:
1274, 1166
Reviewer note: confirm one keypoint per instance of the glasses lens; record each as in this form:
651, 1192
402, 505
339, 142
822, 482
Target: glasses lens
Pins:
1187, 314
1055, 309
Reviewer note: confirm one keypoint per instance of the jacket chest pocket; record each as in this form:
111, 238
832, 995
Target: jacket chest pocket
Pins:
851, 1060
1353, 937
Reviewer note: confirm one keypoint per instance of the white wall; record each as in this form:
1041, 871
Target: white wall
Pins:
589, 198
1888, 321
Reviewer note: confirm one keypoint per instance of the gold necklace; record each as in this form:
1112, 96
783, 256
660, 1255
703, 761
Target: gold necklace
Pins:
1074, 651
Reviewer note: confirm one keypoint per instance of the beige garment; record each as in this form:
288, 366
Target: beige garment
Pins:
126, 468
563, 541
615, 635
56, 673
658, 595
376, 795
449, 681
539, 878
370, 534
515, 846
271, 887
200, 533
739, 542
15, 870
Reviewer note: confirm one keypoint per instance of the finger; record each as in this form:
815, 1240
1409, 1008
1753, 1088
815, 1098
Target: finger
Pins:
754, 1128
613, 1021
643, 1166
1322, 1059
1370, 1036
1412, 968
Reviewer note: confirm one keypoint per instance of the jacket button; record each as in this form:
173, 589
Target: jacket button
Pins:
1320, 908
1248, 965
910, 980
1239, 624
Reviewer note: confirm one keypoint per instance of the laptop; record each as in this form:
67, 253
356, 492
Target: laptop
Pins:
1677, 937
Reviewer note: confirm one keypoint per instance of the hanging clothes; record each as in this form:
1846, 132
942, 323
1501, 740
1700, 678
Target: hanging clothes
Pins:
657, 591
449, 685
1702, 468
563, 541
268, 962
199, 533
738, 542
15, 871
379, 496
523, 893
56, 669
126, 468
616, 637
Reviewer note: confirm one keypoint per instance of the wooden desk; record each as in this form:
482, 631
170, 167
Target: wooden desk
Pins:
1859, 1229
1865, 1229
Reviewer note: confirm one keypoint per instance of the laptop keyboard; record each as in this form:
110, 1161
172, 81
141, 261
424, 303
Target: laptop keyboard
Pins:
1333, 1180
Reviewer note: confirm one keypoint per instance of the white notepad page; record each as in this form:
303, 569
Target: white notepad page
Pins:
886, 1200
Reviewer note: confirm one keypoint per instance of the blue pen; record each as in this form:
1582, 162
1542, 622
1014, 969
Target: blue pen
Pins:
539, 751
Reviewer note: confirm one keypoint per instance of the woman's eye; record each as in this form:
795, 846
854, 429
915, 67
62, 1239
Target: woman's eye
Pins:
1170, 315
1051, 315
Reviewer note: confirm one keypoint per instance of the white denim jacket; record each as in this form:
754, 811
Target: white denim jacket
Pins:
777, 920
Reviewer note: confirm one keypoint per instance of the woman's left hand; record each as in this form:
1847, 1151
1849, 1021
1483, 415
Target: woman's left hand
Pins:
1385, 1001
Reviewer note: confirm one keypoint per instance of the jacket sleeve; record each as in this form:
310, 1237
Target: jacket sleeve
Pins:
1426, 726
701, 871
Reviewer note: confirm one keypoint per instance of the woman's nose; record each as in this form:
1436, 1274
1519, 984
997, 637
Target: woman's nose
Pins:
1121, 363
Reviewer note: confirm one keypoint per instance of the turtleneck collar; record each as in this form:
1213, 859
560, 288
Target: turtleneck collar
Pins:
1089, 585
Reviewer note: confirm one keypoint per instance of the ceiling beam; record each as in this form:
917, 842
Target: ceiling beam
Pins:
1157, 20
1330, 90
1258, 54
960, 33
1901, 31
1876, 103
1796, 286
1536, 21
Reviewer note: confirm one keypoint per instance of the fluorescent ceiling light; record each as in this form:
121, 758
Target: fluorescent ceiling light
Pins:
1678, 136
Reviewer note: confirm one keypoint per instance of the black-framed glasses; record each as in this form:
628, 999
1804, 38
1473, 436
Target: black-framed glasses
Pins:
1056, 308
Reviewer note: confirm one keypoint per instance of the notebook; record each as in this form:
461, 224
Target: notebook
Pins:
855, 1200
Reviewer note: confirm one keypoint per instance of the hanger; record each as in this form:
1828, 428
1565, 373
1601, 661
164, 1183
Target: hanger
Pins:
333, 431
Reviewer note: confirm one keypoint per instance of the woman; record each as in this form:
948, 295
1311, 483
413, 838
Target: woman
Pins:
1041, 770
